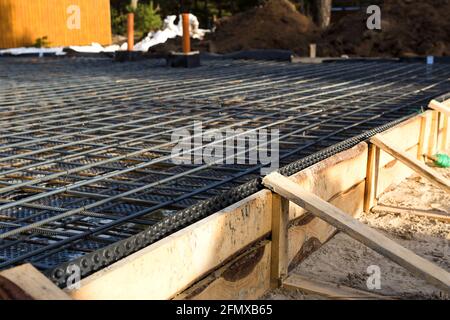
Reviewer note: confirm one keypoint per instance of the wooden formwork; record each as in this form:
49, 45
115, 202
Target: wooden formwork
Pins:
229, 255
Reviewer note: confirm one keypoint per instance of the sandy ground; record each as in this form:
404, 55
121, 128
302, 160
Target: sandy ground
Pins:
344, 261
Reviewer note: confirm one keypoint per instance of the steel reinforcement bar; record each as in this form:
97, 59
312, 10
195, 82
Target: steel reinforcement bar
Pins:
87, 174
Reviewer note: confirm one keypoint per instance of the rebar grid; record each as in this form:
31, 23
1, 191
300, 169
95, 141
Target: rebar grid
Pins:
85, 146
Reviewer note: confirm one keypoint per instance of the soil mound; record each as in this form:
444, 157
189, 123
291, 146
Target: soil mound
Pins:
275, 25
409, 28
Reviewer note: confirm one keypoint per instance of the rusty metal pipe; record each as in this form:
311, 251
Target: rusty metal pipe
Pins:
186, 34
130, 31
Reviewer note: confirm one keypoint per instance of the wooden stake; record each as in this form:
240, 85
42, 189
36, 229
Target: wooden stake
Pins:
373, 166
359, 231
446, 127
280, 223
419, 167
432, 141
445, 131
421, 147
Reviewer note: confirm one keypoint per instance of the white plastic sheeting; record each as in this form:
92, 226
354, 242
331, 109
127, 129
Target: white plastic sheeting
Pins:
95, 48
170, 30
19, 51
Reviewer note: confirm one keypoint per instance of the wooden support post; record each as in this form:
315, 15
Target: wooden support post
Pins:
444, 111
359, 231
446, 127
432, 141
422, 134
280, 224
440, 107
373, 166
445, 131
419, 167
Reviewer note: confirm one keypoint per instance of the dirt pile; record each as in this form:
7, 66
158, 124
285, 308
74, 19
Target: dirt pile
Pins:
275, 25
409, 28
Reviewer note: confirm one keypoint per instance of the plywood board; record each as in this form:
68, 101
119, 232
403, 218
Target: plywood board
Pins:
245, 278
171, 265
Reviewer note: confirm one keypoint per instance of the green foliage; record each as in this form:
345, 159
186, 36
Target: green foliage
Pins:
118, 21
147, 17
41, 42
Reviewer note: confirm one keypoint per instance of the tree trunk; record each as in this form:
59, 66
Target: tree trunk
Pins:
322, 12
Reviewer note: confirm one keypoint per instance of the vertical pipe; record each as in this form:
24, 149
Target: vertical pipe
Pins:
186, 34
130, 31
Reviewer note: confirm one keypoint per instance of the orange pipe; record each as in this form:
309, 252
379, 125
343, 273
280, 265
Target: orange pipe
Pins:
130, 31
186, 33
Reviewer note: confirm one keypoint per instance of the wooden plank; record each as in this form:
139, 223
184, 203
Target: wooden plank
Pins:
170, 266
422, 169
436, 215
280, 223
440, 107
359, 231
247, 277
373, 166
27, 283
328, 290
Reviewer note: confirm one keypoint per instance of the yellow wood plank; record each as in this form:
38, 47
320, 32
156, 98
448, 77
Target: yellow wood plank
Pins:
440, 107
373, 166
33, 283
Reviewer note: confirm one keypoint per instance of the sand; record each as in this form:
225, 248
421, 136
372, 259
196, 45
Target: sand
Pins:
344, 261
